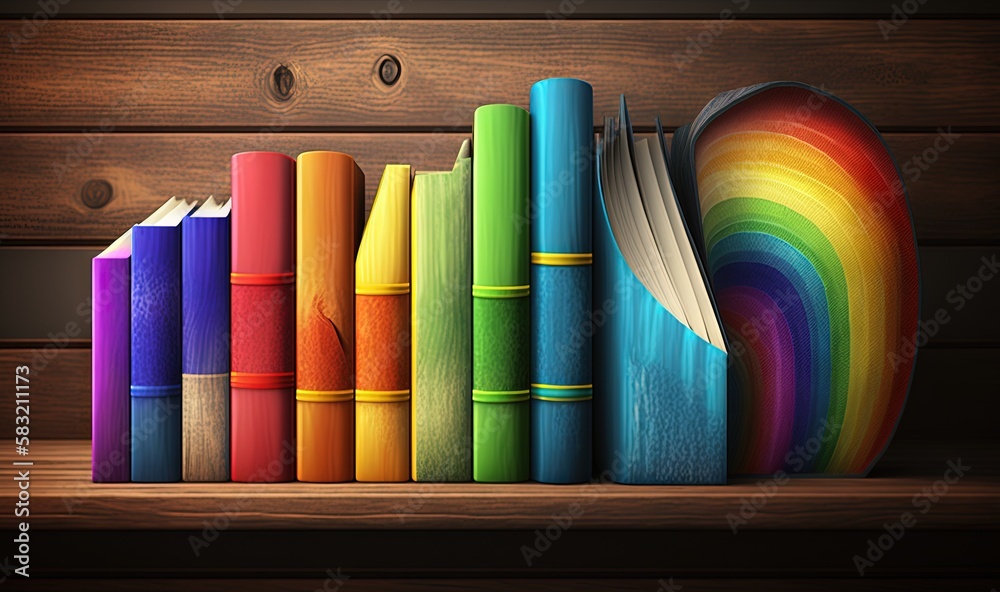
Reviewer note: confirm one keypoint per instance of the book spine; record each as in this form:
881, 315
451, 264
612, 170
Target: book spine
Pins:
156, 354
205, 365
110, 430
383, 404
500, 291
441, 230
660, 409
383, 334
562, 141
330, 196
262, 366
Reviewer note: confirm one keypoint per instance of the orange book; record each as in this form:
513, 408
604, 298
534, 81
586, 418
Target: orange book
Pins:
383, 333
331, 210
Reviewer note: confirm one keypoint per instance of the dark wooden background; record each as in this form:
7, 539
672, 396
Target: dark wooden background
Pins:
111, 107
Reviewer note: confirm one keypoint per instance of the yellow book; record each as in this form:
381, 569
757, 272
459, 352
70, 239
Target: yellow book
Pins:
382, 312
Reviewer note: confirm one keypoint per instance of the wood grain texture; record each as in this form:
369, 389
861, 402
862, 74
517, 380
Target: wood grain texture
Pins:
463, 9
55, 306
63, 497
155, 73
60, 393
954, 200
205, 435
575, 584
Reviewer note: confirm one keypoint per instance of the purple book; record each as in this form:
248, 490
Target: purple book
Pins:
110, 458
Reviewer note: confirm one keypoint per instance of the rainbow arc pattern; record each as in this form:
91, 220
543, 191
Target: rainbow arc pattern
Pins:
813, 261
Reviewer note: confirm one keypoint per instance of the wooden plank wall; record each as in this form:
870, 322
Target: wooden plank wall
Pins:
101, 120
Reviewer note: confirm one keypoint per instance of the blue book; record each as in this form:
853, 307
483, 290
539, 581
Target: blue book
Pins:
562, 322
660, 395
156, 344
205, 363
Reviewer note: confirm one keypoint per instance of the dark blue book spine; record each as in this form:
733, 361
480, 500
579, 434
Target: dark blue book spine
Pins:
156, 354
562, 143
206, 318
206, 295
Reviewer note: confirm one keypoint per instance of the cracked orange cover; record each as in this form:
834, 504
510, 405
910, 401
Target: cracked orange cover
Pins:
330, 217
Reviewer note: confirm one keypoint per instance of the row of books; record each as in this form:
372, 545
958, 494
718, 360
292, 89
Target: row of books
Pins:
544, 311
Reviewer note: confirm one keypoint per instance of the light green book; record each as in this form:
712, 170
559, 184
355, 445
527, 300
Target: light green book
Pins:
441, 342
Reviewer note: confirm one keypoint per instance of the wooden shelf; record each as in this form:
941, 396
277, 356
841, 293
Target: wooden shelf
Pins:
63, 497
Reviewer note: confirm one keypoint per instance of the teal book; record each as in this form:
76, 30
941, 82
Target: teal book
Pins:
661, 356
562, 322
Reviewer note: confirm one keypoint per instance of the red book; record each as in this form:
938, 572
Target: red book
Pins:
263, 318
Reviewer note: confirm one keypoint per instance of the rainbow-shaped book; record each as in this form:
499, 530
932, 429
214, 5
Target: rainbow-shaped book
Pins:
801, 213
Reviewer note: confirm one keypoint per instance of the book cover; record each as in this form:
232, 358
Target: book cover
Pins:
156, 345
501, 341
111, 297
803, 219
441, 254
383, 333
262, 309
562, 324
331, 209
660, 388
205, 261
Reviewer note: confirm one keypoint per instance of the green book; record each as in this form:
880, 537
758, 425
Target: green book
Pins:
441, 284
500, 300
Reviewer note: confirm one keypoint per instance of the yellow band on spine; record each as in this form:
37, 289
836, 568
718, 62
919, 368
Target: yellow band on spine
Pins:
562, 258
382, 289
363, 396
500, 291
324, 396
562, 399
480, 396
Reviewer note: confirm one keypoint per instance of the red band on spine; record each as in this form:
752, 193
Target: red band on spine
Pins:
262, 380
261, 279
